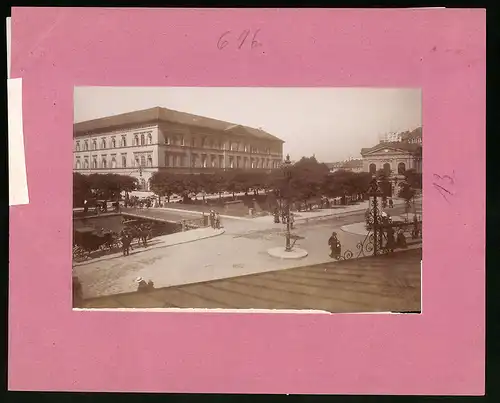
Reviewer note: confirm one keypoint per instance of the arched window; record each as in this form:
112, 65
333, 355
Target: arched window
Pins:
136, 161
143, 184
94, 144
86, 164
113, 142
373, 169
124, 141
94, 163
143, 161
182, 141
150, 161
86, 145
77, 146
253, 164
387, 168
104, 163
113, 162
136, 140
124, 161
142, 140
77, 164
401, 168
150, 139
103, 143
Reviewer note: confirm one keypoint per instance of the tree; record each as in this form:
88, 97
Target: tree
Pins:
344, 182
307, 178
109, 186
81, 189
414, 178
384, 183
232, 182
164, 184
189, 186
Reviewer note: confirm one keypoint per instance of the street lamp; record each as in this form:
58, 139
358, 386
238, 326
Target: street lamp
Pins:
374, 192
288, 177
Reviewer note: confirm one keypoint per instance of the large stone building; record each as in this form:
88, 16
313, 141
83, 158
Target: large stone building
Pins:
143, 142
395, 157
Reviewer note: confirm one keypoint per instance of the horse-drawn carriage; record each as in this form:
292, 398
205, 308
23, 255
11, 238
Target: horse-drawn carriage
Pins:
87, 240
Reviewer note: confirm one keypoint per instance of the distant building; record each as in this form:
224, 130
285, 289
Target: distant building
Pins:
413, 137
147, 141
353, 165
395, 157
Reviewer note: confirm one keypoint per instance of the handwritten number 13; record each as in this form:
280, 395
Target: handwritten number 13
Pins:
223, 42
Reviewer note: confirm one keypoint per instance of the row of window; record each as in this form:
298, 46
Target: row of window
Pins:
217, 161
141, 140
387, 168
96, 163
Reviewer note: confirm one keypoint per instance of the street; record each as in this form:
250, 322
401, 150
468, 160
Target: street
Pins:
242, 249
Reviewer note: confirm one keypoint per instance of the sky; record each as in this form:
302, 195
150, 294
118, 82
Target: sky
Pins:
331, 123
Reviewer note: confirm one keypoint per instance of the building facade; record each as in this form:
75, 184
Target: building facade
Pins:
393, 157
143, 142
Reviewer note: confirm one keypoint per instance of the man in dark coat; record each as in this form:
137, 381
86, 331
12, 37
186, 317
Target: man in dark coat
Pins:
335, 247
276, 216
126, 240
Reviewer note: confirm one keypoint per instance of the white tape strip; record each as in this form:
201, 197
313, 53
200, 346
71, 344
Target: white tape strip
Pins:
18, 185
7, 24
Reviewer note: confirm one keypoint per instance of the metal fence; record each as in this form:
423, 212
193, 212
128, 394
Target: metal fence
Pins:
383, 235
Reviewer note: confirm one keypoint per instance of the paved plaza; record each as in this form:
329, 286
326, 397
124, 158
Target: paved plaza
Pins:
240, 249
389, 283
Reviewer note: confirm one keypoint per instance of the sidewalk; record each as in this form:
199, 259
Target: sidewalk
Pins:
199, 213
162, 242
300, 216
328, 213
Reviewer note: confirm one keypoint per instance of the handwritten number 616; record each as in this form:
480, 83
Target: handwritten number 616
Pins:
226, 38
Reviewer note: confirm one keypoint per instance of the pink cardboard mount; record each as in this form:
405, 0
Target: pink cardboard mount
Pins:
441, 351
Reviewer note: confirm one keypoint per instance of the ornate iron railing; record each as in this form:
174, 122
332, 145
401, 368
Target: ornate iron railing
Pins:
383, 235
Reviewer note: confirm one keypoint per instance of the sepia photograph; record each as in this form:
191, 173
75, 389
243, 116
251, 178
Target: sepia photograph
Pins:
247, 198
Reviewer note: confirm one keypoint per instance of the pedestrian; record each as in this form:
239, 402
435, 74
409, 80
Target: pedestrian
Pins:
212, 218
126, 240
141, 284
217, 220
276, 215
390, 244
391, 203
401, 240
335, 247
144, 235
416, 227
292, 220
